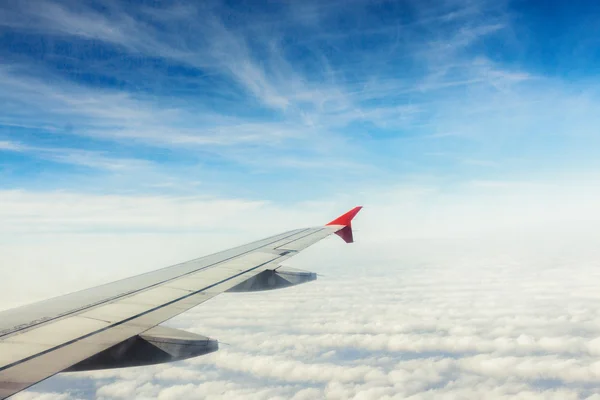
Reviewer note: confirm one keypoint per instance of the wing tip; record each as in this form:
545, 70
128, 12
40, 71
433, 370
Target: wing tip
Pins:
346, 219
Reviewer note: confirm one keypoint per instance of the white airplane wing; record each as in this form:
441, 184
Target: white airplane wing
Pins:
117, 324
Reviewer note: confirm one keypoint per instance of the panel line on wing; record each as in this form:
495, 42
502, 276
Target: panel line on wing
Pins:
301, 237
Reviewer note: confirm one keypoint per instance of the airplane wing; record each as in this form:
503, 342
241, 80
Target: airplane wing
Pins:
117, 324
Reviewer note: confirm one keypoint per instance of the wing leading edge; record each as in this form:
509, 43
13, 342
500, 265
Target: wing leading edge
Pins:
115, 325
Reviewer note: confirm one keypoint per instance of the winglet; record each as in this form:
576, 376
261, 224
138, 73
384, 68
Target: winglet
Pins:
346, 220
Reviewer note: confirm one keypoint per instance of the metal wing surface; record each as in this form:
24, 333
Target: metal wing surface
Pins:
115, 325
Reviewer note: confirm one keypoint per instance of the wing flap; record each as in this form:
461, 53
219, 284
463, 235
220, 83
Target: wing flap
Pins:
59, 332
9, 352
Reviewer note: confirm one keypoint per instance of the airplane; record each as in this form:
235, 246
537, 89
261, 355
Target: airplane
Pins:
118, 324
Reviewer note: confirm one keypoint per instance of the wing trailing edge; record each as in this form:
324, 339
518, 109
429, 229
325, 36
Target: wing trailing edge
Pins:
345, 221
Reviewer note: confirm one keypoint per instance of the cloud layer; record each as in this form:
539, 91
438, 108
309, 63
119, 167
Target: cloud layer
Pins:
426, 319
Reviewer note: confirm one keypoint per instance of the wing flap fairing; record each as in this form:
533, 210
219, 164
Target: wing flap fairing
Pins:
270, 279
155, 346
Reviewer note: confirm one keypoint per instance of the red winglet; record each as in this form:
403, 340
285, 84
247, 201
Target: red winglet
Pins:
346, 220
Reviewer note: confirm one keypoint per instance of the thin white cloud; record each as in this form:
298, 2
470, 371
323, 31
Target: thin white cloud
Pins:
10, 146
85, 158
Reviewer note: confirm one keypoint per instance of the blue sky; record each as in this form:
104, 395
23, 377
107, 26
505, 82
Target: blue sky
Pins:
135, 135
294, 100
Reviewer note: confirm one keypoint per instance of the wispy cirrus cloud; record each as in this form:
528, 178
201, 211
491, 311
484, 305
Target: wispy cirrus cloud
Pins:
244, 85
78, 157
241, 97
